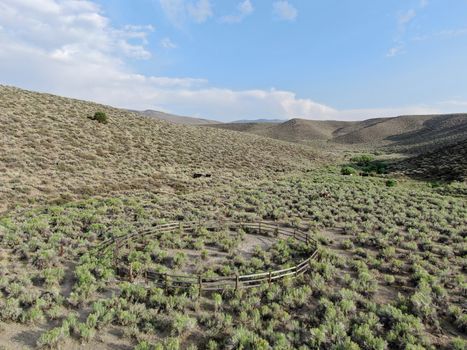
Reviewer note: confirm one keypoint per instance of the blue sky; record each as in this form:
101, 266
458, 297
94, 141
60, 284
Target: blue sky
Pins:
240, 59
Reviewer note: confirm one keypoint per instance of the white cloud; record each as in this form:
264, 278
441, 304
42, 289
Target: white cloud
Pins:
200, 11
423, 3
284, 10
70, 48
63, 29
244, 9
167, 43
367, 113
406, 17
174, 10
179, 11
403, 20
450, 33
395, 50
461, 104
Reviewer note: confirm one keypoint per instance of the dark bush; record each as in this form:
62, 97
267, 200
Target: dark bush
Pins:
379, 167
391, 183
101, 117
368, 165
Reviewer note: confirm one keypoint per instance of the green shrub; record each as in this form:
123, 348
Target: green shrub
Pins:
52, 338
143, 345
179, 259
347, 244
86, 333
101, 117
435, 184
389, 279
212, 345
459, 344
391, 183
217, 301
53, 276
362, 160
348, 170
182, 323
246, 339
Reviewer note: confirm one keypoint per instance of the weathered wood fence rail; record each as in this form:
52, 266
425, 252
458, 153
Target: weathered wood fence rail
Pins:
204, 283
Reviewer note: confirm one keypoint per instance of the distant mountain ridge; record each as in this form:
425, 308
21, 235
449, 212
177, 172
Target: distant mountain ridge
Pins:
176, 119
248, 121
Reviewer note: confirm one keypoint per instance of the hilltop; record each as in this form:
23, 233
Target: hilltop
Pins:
404, 133
52, 150
261, 120
176, 119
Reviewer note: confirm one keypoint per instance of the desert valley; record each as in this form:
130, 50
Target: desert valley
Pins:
233, 175
88, 213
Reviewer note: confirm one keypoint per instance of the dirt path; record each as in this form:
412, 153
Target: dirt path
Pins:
250, 242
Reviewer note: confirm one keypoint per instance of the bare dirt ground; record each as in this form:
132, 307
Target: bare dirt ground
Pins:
22, 336
17, 336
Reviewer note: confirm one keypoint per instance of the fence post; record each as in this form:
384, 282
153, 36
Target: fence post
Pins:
270, 277
306, 238
294, 232
259, 227
200, 285
236, 282
116, 252
166, 285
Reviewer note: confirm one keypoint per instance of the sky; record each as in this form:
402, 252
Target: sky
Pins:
242, 59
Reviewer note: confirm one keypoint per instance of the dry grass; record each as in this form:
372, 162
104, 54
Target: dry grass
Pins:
51, 150
392, 251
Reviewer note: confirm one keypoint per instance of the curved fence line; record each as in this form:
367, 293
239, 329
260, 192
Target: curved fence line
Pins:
217, 283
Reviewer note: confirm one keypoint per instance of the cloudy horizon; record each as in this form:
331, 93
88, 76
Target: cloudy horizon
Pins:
103, 52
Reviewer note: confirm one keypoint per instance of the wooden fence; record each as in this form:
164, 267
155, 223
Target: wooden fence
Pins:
204, 283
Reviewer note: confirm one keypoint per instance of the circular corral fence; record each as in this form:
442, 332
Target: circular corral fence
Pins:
215, 283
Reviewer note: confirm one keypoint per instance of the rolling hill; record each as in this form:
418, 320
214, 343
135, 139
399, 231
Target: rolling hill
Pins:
112, 236
261, 120
51, 150
293, 130
403, 133
176, 119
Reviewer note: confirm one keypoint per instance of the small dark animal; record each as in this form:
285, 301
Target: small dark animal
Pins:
197, 175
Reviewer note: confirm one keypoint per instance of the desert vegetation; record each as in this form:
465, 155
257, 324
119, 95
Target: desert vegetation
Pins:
53, 151
390, 272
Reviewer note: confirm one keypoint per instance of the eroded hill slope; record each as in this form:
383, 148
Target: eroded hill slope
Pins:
445, 163
412, 134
